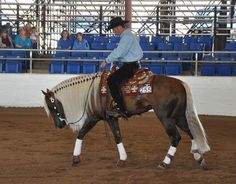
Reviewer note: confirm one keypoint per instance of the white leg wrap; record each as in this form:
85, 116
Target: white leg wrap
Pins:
166, 160
171, 151
196, 156
77, 149
122, 152
194, 146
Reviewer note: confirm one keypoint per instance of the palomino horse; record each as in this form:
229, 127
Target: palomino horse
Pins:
78, 103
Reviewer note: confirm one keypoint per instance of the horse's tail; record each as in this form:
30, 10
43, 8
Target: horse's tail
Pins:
194, 123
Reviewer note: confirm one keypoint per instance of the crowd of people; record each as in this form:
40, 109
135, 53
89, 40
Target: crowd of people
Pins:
68, 43
27, 38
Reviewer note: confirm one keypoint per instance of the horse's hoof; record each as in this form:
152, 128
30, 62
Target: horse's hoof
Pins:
120, 163
203, 164
76, 160
163, 166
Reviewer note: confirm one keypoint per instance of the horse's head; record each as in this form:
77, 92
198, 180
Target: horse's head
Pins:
54, 108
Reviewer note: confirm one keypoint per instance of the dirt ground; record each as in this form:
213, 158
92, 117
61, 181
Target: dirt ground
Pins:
32, 151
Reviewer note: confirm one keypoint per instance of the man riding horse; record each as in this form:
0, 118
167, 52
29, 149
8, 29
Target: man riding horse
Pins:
129, 53
79, 103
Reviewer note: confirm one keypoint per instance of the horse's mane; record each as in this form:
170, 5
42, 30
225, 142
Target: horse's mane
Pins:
74, 81
75, 93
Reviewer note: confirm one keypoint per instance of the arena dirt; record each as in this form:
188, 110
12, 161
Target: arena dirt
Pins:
32, 151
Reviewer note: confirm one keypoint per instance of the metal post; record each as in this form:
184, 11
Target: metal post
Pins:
196, 64
31, 61
37, 9
232, 10
37, 20
0, 11
157, 20
214, 30
100, 21
128, 12
43, 24
17, 17
215, 14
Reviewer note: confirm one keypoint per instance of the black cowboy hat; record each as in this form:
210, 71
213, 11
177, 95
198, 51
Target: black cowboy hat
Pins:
117, 21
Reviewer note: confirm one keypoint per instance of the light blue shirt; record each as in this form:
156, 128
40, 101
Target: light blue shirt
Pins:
84, 45
23, 43
64, 44
128, 49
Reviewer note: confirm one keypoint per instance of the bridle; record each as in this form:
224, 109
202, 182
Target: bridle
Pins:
54, 109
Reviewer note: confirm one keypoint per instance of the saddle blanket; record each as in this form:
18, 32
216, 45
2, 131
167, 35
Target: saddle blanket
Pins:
140, 83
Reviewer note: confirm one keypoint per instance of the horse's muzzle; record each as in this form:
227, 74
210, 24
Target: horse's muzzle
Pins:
59, 123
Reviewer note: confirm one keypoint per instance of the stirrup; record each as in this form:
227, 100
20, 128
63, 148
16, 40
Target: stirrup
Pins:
116, 113
125, 114
113, 113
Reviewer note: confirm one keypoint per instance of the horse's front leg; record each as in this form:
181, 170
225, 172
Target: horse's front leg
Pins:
88, 125
113, 123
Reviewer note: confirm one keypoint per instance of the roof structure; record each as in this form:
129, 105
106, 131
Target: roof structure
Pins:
149, 17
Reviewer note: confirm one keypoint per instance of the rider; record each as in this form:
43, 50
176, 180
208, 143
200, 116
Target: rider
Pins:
129, 53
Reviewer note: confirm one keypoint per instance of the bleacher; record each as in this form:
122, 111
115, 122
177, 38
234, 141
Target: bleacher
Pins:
177, 40
13, 61
164, 55
158, 56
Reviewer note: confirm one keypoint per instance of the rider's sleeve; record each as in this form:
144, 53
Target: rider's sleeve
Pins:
121, 51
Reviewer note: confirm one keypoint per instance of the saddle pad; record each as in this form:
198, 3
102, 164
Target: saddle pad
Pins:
140, 83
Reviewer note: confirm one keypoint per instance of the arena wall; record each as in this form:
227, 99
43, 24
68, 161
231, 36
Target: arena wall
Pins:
212, 95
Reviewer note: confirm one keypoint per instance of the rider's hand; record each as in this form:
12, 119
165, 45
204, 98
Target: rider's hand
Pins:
103, 64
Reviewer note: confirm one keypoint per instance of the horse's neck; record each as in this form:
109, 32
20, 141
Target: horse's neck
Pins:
94, 101
79, 94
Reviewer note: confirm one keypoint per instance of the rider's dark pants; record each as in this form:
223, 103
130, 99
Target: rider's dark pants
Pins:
115, 79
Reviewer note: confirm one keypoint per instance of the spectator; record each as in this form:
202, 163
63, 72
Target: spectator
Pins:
28, 29
8, 28
22, 41
65, 43
34, 37
5, 40
80, 43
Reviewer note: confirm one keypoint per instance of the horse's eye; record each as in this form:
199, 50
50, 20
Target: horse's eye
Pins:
52, 100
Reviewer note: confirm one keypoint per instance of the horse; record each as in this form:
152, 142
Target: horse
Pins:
78, 103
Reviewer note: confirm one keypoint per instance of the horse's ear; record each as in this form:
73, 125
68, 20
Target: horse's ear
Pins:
44, 92
48, 90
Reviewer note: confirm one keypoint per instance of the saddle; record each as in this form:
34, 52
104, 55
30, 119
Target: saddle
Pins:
140, 83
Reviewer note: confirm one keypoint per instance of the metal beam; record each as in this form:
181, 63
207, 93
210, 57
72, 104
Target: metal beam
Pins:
128, 12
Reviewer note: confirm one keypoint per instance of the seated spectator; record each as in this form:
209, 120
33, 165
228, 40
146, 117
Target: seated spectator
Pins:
8, 28
5, 40
34, 37
65, 43
22, 41
80, 43
28, 29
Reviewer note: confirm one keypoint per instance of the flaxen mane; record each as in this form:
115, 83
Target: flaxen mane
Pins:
78, 95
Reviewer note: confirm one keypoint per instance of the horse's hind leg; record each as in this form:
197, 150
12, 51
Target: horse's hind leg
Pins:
113, 123
183, 125
171, 130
